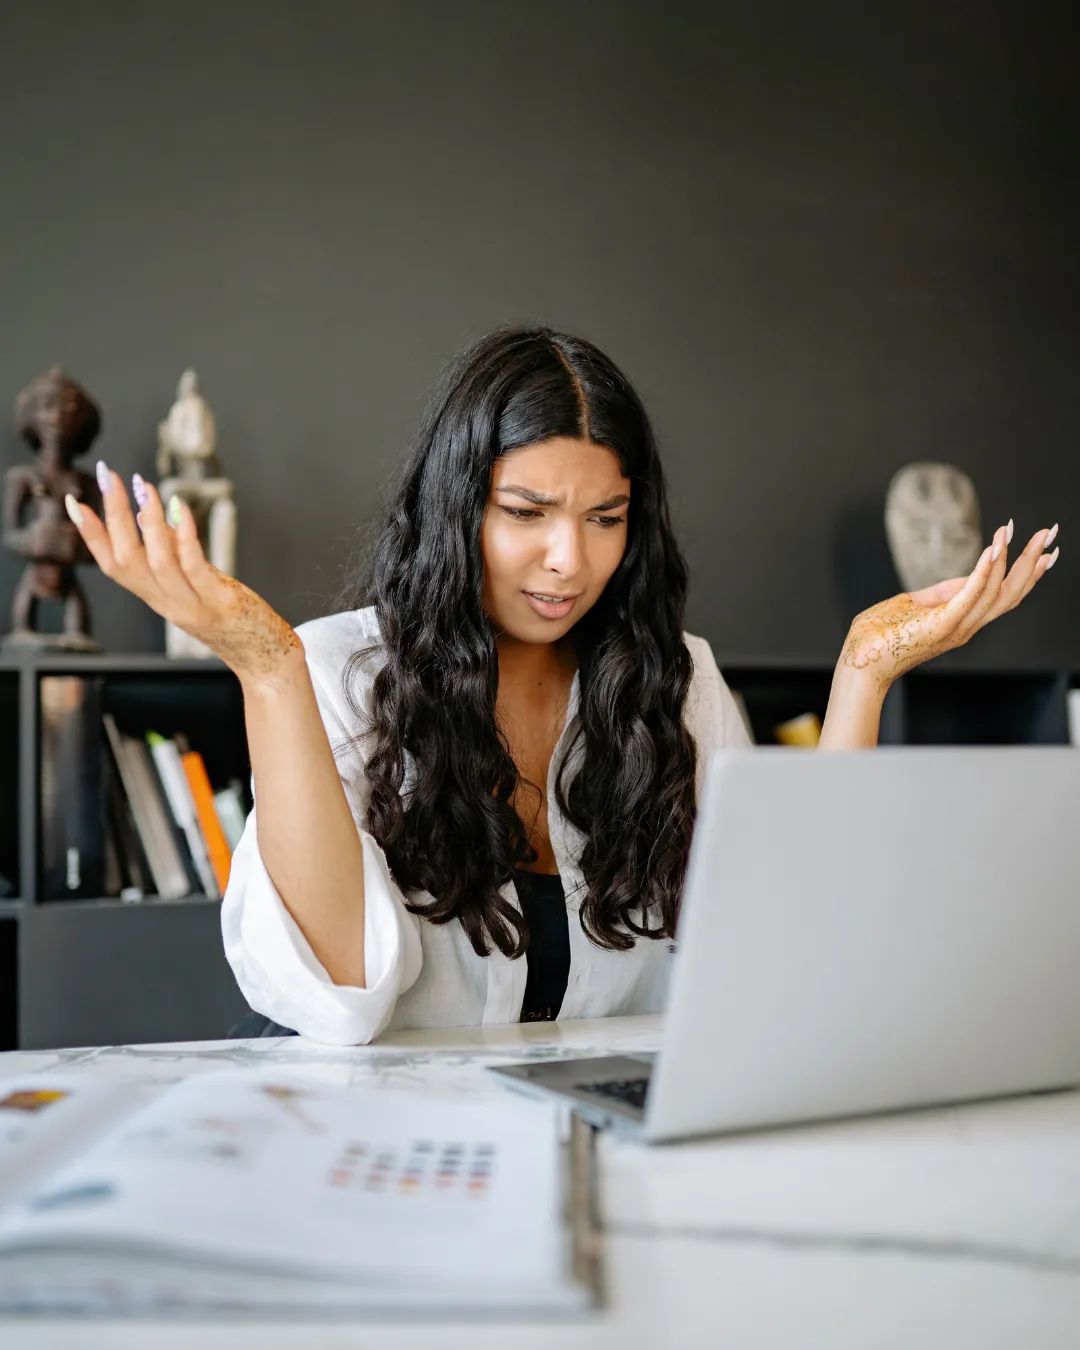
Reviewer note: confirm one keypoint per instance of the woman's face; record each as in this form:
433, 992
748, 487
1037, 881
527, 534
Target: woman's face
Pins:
554, 532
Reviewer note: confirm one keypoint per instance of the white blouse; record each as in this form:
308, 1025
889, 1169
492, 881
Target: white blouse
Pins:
422, 974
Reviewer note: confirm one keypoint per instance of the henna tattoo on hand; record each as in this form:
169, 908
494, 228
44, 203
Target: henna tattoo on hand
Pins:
893, 637
246, 633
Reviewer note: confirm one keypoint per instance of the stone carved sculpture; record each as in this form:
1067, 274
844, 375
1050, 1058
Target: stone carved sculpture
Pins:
188, 468
932, 524
59, 421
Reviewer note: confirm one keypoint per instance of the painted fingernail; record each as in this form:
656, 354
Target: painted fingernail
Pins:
1053, 559
138, 488
174, 510
1050, 537
74, 510
997, 551
104, 478
1009, 531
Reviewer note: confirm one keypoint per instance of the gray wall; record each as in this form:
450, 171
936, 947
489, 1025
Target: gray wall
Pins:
823, 244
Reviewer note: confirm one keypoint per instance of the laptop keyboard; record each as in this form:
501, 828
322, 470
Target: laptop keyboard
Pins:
632, 1091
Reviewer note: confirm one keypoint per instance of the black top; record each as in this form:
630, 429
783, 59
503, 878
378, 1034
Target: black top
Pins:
543, 903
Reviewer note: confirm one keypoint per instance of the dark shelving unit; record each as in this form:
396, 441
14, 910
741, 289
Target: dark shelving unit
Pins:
934, 705
104, 970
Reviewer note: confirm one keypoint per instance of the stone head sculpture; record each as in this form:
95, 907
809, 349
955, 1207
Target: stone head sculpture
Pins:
932, 524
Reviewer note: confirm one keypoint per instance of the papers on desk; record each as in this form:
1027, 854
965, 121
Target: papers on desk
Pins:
261, 1192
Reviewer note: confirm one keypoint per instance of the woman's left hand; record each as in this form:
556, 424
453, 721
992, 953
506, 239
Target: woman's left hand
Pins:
902, 632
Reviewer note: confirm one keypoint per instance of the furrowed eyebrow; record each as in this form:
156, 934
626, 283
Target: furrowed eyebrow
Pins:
537, 498
540, 499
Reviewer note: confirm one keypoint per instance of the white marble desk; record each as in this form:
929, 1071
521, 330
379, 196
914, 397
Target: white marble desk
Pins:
952, 1228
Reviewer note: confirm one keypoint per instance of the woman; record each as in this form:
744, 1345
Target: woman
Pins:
475, 795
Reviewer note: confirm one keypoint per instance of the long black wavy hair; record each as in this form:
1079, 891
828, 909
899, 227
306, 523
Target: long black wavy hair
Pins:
440, 772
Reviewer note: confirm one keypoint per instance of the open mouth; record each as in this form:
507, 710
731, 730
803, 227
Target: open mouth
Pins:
550, 606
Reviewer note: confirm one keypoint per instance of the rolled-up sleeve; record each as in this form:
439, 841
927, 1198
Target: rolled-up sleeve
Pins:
272, 960
281, 977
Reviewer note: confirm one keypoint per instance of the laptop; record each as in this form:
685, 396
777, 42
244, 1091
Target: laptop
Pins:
860, 932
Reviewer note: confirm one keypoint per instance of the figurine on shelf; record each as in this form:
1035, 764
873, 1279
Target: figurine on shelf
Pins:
188, 468
932, 524
59, 421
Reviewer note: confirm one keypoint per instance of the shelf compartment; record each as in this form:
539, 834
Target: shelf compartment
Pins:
207, 708
114, 973
985, 708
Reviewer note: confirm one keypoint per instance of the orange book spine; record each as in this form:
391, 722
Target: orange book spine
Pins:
216, 844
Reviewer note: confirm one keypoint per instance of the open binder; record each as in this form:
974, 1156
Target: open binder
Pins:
253, 1192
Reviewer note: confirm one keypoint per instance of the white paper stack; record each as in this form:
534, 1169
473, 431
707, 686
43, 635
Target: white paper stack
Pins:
254, 1192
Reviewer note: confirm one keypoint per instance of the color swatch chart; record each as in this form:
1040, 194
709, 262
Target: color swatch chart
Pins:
424, 1167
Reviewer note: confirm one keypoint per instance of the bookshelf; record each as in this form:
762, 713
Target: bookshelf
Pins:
101, 970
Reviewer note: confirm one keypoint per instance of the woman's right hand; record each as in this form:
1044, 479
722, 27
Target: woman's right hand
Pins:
166, 567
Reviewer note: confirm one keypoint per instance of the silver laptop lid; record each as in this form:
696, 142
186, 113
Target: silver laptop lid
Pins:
873, 930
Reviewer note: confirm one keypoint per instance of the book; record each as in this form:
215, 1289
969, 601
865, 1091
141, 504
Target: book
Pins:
134, 881
202, 794
149, 812
182, 805
179, 875
257, 1191
229, 804
73, 825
